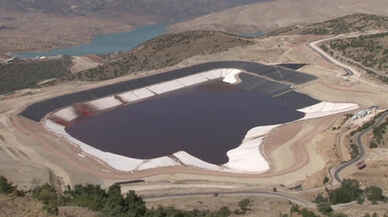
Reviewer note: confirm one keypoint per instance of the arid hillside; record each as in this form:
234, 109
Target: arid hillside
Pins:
163, 51
357, 22
280, 13
166, 50
368, 52
63, 23
47, 31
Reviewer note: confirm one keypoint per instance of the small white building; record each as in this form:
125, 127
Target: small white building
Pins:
362, 114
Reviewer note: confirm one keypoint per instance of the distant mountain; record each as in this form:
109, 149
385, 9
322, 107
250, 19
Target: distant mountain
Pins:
167, 10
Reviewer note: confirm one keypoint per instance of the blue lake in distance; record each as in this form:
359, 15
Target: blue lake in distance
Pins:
103, 44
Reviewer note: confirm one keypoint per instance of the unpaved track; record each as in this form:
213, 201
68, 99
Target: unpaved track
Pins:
336, 171
361, 147
301, 202
347, 68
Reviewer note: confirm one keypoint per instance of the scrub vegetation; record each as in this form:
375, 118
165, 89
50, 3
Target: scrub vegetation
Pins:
379, 133
349, 191
367, 52
109, 203
22, 74
160, 52
346, 24
295, 209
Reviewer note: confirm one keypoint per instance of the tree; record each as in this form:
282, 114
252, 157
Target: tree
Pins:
224, 212
325, 208
5, 186
134, 205
90, 196
361, 199
349, 191
307, 213
320, 199
373, 144
294, 209
374, 194
44, 193
48, 195
325, 180
114, 201
244, 205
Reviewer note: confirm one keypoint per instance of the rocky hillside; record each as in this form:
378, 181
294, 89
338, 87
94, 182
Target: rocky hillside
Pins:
350, 23
163, 51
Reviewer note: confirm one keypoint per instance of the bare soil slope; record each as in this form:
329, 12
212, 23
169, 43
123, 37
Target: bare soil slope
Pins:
279, 13
20, 31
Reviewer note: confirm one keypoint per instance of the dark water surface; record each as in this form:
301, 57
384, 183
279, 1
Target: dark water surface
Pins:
38, 110
205, 120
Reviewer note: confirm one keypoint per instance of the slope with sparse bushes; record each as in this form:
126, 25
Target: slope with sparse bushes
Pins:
346, 24
28, 73
163, 51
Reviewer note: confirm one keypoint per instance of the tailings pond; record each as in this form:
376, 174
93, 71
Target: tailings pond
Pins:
206, 120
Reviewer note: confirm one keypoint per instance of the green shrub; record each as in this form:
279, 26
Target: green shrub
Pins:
325, 180
244, 205
27, 74
348, 192
373, 144
48, 195
325, 208
374, 194
5, 186
307, 213
110, 203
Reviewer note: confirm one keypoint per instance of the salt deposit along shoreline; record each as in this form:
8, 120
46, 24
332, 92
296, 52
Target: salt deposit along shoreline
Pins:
246, 158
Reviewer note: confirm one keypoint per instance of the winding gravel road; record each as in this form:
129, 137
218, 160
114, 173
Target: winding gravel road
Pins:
361, 148
314, 46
